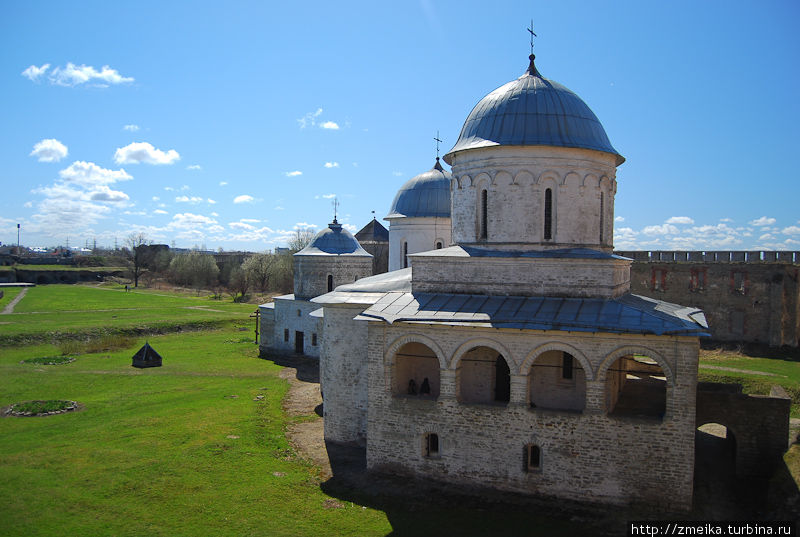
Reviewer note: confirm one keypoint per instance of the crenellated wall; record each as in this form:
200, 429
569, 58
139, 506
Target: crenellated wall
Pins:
747, 296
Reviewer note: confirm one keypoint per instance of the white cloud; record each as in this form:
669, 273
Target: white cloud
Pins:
244, 198
135, 213
666, 229
293, 174
169, 189
223, 183
156, 198
187, 199
194, 167
331, 164
103, 193
310, 119
189, 220
767, 237
763, 221
619, 219
210, 201
278, 208
131, 128
33, 73
138, 152
75, 75
329, 196
680, 220
791, 230
160, 211
330, 125
250, 220
90, 174
28, 204
350, 227
241, 225
726, 220
49, 150
397, 174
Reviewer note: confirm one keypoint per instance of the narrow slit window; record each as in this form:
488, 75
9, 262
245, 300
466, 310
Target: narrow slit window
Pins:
330, 282
405, 255
431, 448
567, 366
548, 214
533, 458
484, 214
313, 339
602, 220
285, 334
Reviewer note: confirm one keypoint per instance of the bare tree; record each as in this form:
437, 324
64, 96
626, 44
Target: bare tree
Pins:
239, 283
136, 243
258, 269
300, 239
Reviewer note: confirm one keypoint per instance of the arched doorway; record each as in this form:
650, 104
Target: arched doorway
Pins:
636, 386
557, 381
416, 371
483, 376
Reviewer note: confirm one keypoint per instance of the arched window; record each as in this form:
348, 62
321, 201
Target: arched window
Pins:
330, 282
557, 382
484, 213
438, 245
483, 376
430, 445
416, 372
636, 386
533, 458
602, 215
548, 214
405, 254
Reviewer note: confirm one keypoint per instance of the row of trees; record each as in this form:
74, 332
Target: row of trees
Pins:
262, 272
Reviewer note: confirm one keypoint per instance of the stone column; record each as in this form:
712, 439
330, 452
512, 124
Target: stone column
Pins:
519, 390
447, 384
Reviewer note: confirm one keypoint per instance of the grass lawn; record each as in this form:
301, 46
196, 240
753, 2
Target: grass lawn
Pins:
8, 295
56, 311
184, 449
784, 372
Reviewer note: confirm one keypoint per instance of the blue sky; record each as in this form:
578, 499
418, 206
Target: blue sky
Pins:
230, 124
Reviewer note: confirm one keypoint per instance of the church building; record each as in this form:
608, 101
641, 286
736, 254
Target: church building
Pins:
510, 352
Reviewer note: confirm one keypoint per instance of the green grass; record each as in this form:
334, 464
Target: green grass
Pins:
785, 372
8, 295
70, 311
167, 451
49, 360
41, 407
67, 268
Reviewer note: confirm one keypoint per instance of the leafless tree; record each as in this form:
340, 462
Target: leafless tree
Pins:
136, 254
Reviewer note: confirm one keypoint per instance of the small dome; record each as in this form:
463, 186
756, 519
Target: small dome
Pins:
533, 110
427, 194
334, 240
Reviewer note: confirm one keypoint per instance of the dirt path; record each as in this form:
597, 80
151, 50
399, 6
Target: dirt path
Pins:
304, 399
10, 306
733, 369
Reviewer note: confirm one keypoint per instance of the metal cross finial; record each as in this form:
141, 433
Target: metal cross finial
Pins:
335, 204
438, 141
373, 215
532, 35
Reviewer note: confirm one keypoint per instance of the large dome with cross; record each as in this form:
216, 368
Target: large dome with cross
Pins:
532, 110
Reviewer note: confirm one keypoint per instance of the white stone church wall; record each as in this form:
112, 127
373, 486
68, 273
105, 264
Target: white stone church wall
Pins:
421, 235
292, 316
589, 455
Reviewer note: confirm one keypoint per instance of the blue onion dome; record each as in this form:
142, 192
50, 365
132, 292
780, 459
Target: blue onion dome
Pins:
533, 110
334, 240
426, 195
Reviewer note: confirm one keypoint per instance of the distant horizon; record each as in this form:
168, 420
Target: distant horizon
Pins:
235, 126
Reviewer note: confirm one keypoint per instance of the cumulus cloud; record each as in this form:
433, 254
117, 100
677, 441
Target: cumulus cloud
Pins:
763, 221
90, 174
49, 150
244, 198
33, 73
156, 198
293, 174
190, 220
75, 75
160, 211
727, 220
104, 193
310, 119
619, 219
131, 128
250, 220
139, 152
350, 227
791, 230
329, 196
330, 125
331, 164
666, 229
210, 201
194, 167
241, 225
680, 220
187, 199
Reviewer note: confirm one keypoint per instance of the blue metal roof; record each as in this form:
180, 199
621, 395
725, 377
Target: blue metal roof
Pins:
334, 240
533, 110
426, 195
630, 314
